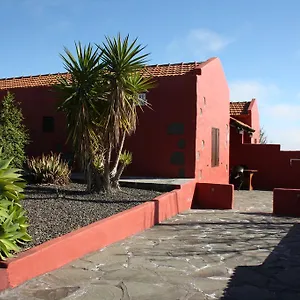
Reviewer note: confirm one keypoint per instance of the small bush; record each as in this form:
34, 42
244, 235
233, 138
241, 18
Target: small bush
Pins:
49, 169
13, 222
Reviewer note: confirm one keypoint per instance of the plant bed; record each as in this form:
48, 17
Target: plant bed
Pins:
61, 250
54, 210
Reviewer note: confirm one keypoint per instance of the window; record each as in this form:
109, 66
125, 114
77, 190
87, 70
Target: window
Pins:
48, 124
215, 147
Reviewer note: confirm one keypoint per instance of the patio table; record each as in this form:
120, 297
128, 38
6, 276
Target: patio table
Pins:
248, 174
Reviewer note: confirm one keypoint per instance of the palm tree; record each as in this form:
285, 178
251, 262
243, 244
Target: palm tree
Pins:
81, 103
123, 62
100, 101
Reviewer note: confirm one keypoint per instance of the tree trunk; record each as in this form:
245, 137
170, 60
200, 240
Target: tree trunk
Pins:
98, 181
116, 178
106, 174
89, 177
117, 160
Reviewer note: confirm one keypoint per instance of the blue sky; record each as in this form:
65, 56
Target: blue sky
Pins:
257, 41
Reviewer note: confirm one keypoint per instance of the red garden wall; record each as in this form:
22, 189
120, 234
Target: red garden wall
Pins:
286, 202
275, 168
212, 111
213, 196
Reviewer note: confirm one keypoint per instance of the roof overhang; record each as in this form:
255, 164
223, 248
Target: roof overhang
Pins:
240, 125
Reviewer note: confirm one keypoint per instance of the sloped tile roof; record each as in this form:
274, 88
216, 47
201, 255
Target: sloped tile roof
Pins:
239, 108
171, 69
30, 81
51, 79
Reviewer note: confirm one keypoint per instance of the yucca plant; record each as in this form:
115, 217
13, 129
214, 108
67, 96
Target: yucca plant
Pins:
13, 222
126, 158
49, 169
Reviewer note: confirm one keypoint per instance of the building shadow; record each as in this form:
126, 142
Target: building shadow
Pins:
278, 277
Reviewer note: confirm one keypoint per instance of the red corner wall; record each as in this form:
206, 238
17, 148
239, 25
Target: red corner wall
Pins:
212, 111
275, 169
37, 102
164, 142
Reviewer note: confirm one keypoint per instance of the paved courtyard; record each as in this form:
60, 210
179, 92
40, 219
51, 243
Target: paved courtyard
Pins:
243, 254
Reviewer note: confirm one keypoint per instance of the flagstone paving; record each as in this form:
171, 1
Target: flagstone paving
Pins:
245, 253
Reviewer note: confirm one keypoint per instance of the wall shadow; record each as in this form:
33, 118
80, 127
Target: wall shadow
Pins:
278, 277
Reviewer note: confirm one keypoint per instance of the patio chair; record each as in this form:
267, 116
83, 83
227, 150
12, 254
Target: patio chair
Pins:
237, 176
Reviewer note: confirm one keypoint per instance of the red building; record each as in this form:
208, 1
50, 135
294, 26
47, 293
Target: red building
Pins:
184, 134
275, 168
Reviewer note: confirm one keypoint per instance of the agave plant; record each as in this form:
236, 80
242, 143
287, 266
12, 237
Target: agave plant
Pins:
13, 221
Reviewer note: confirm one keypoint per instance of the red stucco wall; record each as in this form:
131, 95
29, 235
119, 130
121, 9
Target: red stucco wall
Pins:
254, 121
35, 103
172, 101
212, 86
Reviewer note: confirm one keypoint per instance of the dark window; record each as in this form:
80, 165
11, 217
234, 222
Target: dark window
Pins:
176, 128
48, 124
215, 147
181, 144
177, 158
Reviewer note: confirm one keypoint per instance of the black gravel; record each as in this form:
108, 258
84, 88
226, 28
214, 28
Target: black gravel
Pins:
53, 211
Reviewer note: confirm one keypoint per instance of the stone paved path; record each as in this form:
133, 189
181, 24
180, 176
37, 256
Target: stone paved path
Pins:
201, 254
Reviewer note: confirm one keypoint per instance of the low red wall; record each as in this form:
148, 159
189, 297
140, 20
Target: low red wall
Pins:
286, 202
213, 196
60, 251
275, 169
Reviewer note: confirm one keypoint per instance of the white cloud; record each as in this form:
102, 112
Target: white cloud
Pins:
198, 44
245, 90
287, 136
206, 40
286, 111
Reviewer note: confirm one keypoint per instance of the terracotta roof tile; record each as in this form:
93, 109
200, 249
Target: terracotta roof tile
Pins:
30, 81
51, 79
171, 69
239, 108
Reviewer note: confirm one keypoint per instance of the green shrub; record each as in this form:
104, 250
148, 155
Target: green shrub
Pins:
49, 169
13, 134
13, 222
